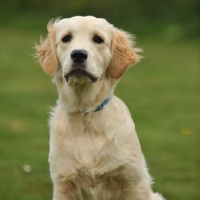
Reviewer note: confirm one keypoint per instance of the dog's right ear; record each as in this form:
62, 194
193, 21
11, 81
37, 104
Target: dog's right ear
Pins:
46, 51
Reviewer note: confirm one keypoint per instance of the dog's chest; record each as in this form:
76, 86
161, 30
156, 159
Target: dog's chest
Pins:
86, 146
89, 144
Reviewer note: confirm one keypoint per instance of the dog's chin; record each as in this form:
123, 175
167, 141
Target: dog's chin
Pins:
80, 76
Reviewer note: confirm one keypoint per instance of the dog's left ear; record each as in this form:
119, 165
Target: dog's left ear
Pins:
46, 51
123, 53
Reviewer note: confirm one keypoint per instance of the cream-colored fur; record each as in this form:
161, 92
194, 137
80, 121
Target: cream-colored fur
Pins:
93, 155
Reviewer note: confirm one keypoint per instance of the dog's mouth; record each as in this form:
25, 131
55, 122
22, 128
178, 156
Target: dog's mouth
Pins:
79, 73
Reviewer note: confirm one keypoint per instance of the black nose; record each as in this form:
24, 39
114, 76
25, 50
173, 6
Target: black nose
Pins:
79, 55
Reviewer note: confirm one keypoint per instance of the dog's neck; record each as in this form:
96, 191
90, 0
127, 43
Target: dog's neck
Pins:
84, 98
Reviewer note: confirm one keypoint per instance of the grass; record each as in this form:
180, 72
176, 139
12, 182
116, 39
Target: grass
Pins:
162, 93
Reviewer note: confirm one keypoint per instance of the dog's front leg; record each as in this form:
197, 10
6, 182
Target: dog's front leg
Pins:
116, 192
64, 190
124, 188
68, 190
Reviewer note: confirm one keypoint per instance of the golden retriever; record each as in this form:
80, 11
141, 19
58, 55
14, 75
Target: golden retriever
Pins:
94, 149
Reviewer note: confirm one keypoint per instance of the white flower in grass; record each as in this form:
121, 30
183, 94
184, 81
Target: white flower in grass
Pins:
27, 168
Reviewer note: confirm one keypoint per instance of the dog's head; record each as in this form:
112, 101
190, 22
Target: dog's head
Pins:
86, 48
88, 56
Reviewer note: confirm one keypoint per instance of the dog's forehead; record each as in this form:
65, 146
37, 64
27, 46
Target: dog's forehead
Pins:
83, 24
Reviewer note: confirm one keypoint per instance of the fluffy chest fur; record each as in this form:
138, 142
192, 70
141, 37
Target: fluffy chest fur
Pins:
90, 154
79, 143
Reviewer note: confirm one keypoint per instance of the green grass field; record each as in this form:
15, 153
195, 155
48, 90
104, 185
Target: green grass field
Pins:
162, 93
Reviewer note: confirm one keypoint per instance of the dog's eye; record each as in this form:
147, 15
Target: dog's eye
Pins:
97, 39
67, 38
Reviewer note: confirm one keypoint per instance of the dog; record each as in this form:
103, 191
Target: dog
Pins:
94, 149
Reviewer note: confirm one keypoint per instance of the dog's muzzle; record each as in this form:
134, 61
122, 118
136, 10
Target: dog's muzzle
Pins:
79, 56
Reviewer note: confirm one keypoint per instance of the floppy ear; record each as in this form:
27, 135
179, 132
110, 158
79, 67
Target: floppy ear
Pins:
123, 53
46, 51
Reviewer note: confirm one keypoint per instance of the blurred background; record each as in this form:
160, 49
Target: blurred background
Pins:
162, 91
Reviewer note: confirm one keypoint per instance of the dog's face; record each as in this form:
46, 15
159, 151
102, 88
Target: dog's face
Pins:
83, 48
86, 48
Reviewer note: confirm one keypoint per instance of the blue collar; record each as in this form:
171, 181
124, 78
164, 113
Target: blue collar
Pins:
101, 106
